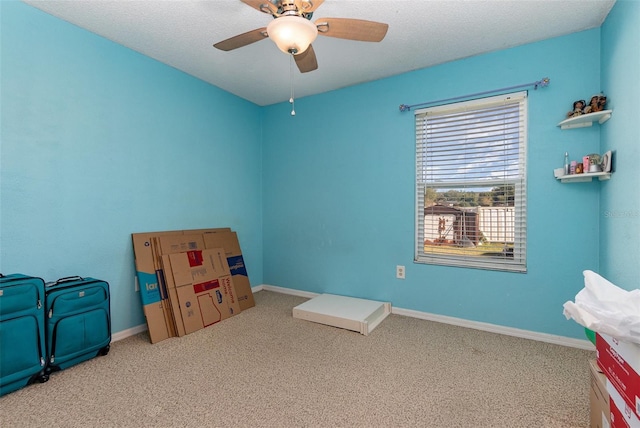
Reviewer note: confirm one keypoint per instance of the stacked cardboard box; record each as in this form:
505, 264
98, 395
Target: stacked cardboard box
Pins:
599, 398
189, 279
620, 363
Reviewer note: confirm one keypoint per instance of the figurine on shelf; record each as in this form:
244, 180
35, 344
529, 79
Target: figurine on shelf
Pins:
596, 104
593, 105
602, 102
594, 162
578, 107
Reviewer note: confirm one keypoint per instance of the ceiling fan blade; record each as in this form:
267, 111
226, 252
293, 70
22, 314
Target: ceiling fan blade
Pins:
261, 5
306, 61
352, 29
243, 39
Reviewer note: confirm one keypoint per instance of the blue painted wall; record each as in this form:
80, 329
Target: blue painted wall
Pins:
98, 141
339, 191
620, 197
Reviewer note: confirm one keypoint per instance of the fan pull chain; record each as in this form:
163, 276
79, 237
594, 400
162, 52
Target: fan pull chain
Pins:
291, 98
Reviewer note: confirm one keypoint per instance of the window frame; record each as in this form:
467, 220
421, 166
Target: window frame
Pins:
517, 260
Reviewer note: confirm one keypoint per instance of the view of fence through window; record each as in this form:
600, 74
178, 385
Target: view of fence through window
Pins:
470, 221
470, 182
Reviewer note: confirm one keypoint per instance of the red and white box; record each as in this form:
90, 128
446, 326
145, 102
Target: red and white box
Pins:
622, 416
620, 362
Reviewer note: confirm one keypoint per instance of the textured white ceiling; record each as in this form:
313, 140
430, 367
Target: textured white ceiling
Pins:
421, 33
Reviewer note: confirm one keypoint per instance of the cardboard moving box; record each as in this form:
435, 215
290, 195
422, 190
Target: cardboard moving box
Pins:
154, 307
620, 362
622, 415
600, 415
170, 244
229, 241
153, 293
204, 288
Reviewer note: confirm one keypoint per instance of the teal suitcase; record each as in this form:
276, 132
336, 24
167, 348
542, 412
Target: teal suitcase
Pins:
22, 332
78, 321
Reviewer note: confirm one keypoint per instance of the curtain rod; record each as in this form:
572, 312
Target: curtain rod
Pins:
542, 83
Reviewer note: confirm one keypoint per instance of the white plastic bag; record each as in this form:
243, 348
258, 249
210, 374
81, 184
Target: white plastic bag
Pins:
605, 308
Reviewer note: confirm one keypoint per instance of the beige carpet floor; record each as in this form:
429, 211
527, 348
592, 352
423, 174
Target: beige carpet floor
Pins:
263, 368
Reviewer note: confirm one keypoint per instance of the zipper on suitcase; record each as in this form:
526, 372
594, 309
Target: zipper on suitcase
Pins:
43, 361
62, 285
53, 344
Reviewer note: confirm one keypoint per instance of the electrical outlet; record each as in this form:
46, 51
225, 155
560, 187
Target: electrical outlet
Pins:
135, 279
400, 272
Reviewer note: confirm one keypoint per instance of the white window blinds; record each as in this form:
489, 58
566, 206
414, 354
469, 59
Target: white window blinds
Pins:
471, 183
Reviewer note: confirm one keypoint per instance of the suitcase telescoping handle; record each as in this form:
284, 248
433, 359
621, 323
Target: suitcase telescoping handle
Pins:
67, 279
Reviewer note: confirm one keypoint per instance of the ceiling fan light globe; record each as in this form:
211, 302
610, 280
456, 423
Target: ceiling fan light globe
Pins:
292, 34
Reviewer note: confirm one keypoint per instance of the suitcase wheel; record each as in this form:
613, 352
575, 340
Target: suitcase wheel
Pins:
51, 369
43, 378
105, 350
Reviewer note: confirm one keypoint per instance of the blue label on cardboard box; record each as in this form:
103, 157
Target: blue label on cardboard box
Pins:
149, 290
236, 265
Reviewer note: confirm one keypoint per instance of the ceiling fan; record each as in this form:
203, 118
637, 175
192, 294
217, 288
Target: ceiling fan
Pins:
293, 32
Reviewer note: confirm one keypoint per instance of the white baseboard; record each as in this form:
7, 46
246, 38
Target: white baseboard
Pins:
283, 290
477, 325
494, 328
128, 332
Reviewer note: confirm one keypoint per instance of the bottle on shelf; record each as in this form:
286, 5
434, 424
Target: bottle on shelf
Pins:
566, 163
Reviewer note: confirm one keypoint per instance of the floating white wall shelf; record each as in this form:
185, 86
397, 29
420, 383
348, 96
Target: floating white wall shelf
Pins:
586, 120
578, 178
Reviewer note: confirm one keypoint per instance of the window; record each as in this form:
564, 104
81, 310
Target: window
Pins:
471, 183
